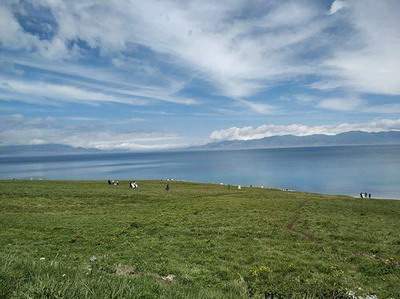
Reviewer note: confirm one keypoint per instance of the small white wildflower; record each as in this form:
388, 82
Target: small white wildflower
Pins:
351, 294
168, 278
93, 258
64, 275
42, 258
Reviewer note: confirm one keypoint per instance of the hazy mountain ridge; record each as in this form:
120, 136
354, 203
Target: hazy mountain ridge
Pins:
43, 149
342, 139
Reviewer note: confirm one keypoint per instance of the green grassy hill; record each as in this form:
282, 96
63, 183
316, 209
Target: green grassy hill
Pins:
67, 239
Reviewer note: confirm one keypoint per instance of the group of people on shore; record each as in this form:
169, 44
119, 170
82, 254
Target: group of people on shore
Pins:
133, 184
365, 195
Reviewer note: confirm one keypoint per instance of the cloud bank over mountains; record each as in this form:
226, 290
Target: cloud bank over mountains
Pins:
90, 133
268, 130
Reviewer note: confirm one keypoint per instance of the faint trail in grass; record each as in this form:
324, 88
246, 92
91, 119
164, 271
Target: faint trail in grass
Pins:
295, 219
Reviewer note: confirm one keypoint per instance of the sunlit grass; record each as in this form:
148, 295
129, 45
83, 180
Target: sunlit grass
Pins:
89, 239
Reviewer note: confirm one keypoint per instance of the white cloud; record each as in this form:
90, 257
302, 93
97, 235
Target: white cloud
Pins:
18, 129
215, 41
11, 34
369, 59
63, 92
355, 104
383, 108
268, 130
350, 103
341, 104
123, 141
257, 107
337, 5
205, 37
31, 91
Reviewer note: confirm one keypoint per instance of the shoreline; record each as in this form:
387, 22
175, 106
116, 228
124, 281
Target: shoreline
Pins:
266, 187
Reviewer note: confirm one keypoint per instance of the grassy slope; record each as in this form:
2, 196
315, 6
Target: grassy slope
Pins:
218, 242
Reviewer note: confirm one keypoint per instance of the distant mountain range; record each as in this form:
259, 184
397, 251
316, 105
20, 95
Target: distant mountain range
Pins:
342, 139
43, 149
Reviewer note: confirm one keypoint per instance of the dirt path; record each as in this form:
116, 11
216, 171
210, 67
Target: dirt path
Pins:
295, 218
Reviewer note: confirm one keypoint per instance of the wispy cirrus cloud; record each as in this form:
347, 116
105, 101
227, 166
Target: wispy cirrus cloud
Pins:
348, 104
203, 58
356, 104
34, 90
341, 104
244, 55
63, 92
369, 61
337, 5
259, 108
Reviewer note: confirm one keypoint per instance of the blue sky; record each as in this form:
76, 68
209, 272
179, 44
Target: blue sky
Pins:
145, 75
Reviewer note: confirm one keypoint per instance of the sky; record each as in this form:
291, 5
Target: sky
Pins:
158, 74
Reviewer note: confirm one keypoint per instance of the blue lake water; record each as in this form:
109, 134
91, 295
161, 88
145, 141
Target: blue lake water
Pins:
332, 170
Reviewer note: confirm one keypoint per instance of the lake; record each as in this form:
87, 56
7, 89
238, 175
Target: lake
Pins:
332, 170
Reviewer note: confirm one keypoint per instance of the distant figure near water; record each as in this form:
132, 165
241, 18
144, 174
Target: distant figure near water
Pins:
112, 182
365, 195
167, 187
133, 185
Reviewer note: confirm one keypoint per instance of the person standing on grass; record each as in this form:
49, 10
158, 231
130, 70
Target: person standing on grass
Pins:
133, 185
167, 187
369, 195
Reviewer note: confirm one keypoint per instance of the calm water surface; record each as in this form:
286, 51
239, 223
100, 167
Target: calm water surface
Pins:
332, 170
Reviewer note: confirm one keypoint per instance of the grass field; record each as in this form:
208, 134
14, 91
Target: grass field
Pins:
79, 239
